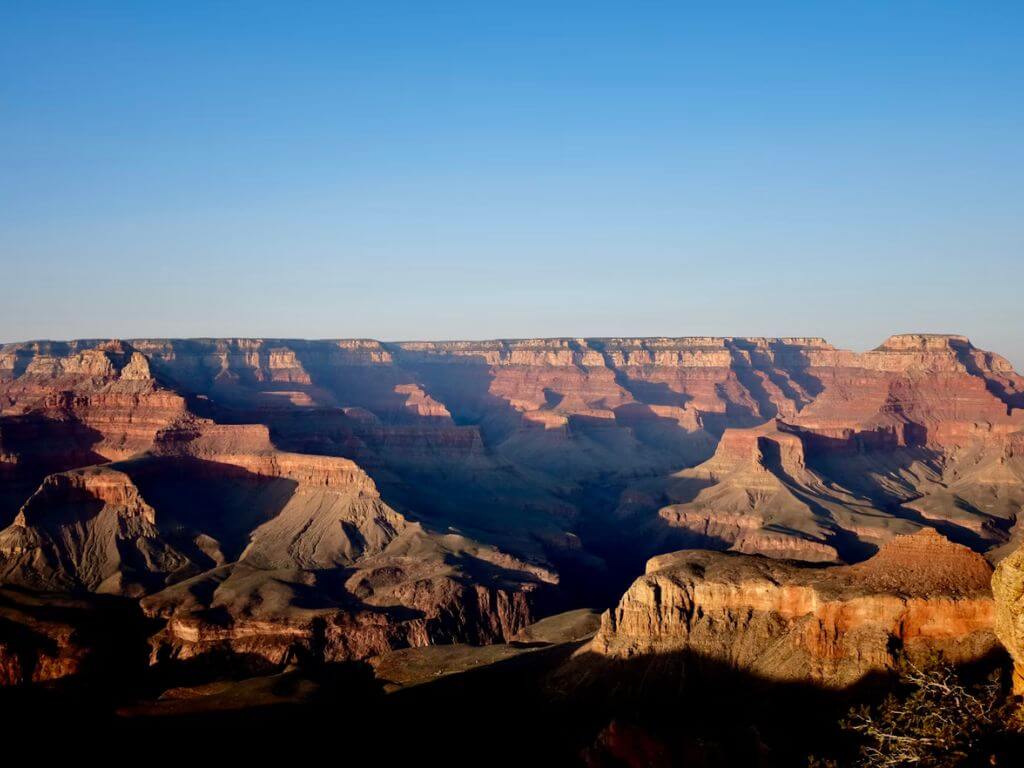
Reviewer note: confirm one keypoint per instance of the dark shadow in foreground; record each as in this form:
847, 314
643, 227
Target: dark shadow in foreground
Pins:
542, 707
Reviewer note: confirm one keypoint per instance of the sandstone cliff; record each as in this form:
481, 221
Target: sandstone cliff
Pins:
830, 626
1008, 588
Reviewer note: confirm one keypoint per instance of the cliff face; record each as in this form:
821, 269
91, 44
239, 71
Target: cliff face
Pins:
107, 391
757, 495
297, 554
332, 572
923, 431
829, 626
273, 497
1008, 588
89, 529
697, 383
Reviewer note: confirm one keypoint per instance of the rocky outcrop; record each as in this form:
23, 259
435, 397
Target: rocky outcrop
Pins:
1008, 589
758, 495
261, 627
89, 529
830, 626
417, 590
375, 579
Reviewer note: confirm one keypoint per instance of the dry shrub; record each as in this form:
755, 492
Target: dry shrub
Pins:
937, 719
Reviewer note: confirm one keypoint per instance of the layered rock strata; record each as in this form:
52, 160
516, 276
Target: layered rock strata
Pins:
274, 497
830, 626
1008, 588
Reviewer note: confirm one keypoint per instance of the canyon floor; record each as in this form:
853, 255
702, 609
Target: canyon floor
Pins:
521, 542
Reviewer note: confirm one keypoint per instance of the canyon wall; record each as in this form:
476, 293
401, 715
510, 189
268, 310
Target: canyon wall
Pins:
831, 626
274, 498
1008, 587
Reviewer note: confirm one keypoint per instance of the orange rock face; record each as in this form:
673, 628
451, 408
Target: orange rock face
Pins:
1008, 588
108, 391
830, 626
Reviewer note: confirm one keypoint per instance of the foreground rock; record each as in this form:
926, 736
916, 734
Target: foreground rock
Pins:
830, 626
1008, 589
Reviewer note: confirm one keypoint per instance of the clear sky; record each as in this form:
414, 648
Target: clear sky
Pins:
490, 169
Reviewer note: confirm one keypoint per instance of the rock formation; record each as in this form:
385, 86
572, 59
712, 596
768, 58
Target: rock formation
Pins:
47, 637
1008, 589
89, 529
274, 498
830, 626
283, 531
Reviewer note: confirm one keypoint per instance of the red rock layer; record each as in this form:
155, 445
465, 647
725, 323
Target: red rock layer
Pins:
829, 626
107, 392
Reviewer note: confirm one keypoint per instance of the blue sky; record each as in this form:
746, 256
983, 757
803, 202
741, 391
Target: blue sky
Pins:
469, 170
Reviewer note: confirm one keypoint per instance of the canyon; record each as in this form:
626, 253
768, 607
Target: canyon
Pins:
270, 502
